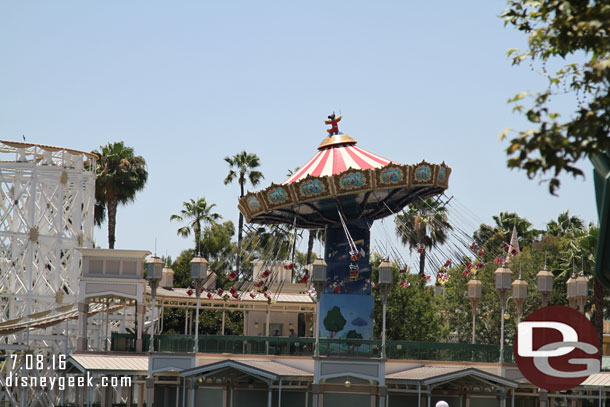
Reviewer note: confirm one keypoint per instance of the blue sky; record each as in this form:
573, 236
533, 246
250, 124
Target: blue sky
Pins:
188, 83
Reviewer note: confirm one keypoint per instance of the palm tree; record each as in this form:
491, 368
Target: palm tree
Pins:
423, 223
119, 175
505, 222
314, 234
565, 224
196, 213
242, 167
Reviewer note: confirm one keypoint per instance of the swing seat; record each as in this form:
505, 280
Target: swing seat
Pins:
252, 295
220, 291
189, 292
232, 275
288, 265
355, 257
304, 279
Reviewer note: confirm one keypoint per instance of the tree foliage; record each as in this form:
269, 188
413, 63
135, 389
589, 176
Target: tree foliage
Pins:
413, 313
119, 175
196, 213
573, 33
423, 225
243, 167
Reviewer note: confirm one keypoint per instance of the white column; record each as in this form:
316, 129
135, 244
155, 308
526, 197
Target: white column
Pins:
83, 314
140, 312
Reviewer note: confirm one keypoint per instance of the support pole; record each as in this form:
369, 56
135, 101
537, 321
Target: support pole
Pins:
151, 345
223, 322
385, 301
474, 321
502, 333
198, 283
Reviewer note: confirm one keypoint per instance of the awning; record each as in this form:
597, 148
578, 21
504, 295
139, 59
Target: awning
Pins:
435, 375
121, 365
264, 369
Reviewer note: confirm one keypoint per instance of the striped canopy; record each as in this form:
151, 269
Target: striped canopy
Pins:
336, 155
343, 178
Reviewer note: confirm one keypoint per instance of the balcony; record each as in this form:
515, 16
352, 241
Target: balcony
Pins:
273, 345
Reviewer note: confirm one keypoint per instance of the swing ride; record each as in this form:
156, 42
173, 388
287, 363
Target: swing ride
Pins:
344, 188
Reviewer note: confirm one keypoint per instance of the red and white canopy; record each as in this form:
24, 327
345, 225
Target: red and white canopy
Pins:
337, 154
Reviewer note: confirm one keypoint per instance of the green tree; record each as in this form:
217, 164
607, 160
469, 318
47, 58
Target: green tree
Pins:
334, 321
565, 224
413, 313
119, 175
574, 34
506, 221
196, 213
242, 167
578, 254
423, 223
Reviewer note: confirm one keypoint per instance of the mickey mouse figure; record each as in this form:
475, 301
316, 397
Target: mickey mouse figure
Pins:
333, 122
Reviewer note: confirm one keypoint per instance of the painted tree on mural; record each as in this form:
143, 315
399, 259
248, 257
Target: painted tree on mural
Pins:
334, 321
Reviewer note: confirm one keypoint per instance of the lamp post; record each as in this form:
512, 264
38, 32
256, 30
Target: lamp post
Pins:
503, 279
474, 295
519, 296
154, 273
199, 272
318, 277
386, 276
544, 284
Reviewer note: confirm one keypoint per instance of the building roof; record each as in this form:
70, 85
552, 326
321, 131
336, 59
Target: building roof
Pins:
597, 380
427, 374
265, 368
181, 293
105, 363
424, 372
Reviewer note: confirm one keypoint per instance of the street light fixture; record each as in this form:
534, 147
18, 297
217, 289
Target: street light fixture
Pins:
199, 273
578, 290
154, 273
519, 295
582, 290
474, 295
318, 277
503, 280
571, 290
386, 277
544, 284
